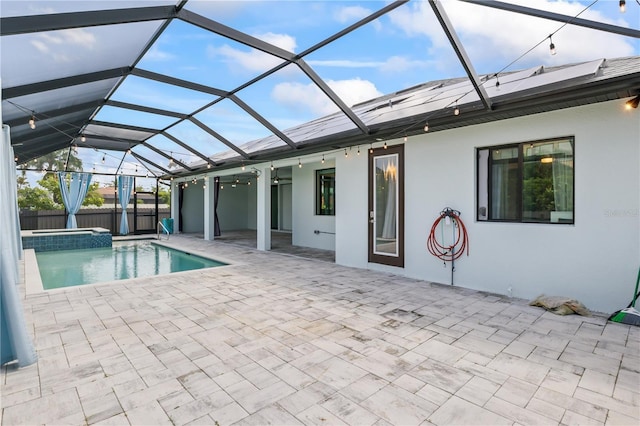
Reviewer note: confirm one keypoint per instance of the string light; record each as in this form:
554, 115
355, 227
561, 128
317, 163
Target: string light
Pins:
405, 137
272, 166
346, 154
358, 150
322, 158
32, 121
623, 6
129, 151
208, 165
299, 164
456, 111
426, 127
104, 158
370, 148
552, 47
243, 167
385, 145
83, 138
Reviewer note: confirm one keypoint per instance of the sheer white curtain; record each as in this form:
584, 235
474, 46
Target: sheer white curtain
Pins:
125, 189
16, 343
73, 195
391, 181
562, 169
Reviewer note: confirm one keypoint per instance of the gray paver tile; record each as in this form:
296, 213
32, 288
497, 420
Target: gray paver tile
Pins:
149, 414
457, 411
398, 406
278, 339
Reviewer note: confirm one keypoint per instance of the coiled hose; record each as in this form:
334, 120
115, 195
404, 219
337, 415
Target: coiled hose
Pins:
461, 244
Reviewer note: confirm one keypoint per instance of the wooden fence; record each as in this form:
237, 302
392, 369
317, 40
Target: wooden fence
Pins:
92, 218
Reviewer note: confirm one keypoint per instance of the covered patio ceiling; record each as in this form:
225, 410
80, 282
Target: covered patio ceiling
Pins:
175, 89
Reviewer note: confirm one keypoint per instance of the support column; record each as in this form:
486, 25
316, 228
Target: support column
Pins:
209, 209
175, 206
264, 210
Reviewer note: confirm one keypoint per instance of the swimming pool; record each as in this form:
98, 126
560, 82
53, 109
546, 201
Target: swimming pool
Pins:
122, 261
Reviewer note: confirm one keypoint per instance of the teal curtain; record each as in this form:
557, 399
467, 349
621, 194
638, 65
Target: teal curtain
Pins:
73, 194
125, 189
15, 343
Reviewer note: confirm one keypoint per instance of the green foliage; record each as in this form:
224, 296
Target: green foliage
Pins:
164, 196
35, 199
47, 195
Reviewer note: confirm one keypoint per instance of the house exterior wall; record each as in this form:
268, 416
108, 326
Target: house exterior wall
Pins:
193, 208
233, 211
595, 260
305, 221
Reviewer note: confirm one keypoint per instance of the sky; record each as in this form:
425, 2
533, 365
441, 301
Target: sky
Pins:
403, 48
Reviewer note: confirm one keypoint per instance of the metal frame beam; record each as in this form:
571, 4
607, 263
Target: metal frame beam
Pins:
233, 34
146, 160
124, 127
177, 82
141, 108
442, 17
168, 157
253, 113
388, 8
601, 26
218, 136
52, 114
332, 95
14, 25
187, 147
60, 83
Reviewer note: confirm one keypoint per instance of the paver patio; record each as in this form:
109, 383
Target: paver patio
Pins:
278, 339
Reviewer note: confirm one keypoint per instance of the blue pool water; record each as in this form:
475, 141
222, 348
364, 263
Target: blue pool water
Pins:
124, 260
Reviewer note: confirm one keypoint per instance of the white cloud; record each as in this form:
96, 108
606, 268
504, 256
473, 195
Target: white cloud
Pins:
349, 14
283, 41
155, 54
63, 43
499, 37
252, 59
310, 97
345, 63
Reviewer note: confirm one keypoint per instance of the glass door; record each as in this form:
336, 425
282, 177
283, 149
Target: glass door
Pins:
386, 206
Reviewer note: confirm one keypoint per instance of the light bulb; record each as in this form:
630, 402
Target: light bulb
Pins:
358, 150
299, 164
456, 111
208, 165
272, 166
346, 154
623, 6
552, 47
243, 167
322, 158
385, 145
426, 127
103, 159
405, 138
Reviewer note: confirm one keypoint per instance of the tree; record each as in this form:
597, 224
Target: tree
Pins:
35, 199
164, 196
48, 196
51, 183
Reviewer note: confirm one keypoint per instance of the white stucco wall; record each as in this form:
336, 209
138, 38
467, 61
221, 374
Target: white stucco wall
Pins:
233, 211
252, 206
193, 208
305, 221
594, 260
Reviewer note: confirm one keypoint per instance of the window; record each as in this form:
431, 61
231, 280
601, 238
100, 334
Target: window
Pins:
325, 192
527, 182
